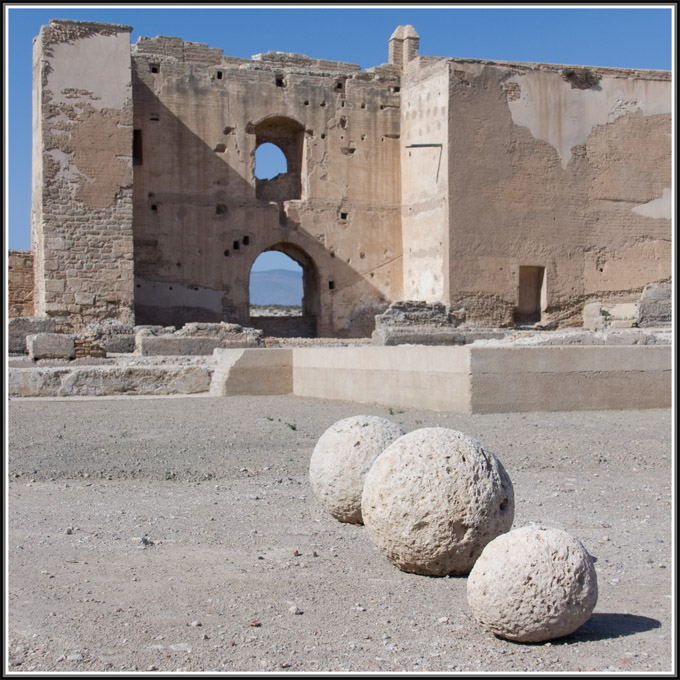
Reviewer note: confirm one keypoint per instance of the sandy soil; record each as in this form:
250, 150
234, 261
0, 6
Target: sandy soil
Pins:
166, 534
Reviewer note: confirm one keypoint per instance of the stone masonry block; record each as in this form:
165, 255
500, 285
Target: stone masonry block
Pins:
51, 346
18, 328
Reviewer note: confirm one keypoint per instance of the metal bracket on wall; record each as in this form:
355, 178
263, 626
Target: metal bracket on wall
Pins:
420, 146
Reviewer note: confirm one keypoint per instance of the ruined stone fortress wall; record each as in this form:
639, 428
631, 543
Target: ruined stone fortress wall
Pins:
201, 217
516, 192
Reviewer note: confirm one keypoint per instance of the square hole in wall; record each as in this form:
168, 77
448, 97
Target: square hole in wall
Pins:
236, 245
155, 68
344, 215
331, 285
246, 240
219, 75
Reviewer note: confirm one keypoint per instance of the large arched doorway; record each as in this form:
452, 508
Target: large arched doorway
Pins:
278, 319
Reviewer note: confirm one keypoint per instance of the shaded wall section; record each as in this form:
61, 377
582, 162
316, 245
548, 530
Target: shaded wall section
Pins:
201, 217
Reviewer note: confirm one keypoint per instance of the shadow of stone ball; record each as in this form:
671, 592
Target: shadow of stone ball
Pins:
433, 499
532, 584
341, 459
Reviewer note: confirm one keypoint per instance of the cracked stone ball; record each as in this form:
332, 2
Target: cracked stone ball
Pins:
532, 584
341, 458
433, 499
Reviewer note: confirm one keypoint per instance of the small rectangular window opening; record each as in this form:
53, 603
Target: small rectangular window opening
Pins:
331, 285
246, 240
154, 68
137, 147
237, 245
343, 215
219, 75
279, 81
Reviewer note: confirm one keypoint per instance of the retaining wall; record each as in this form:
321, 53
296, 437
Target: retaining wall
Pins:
469, 379
458, 379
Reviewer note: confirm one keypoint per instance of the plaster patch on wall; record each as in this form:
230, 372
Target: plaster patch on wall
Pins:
564, 116
91, 68
95, 146
67, 172
424, 284
659, 208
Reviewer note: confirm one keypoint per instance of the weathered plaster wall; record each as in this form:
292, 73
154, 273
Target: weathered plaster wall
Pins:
201, 218
425, 180
81, 218
545, 175
20, 283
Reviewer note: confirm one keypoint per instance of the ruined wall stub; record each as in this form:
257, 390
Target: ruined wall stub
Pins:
81, 215
201, 215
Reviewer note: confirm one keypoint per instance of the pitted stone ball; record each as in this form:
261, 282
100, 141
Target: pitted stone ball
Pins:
433, 499
342, 456
532, 584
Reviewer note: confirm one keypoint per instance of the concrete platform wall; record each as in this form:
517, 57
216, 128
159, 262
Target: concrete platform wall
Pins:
569, 378
458, 379
436, 378
462, 379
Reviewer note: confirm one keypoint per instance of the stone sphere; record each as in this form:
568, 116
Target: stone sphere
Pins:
342, 457
532, 584
433, 499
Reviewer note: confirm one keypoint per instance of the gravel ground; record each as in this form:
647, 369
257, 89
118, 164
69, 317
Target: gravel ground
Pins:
181, 534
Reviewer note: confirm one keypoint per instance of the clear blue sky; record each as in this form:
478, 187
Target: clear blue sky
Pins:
627, 36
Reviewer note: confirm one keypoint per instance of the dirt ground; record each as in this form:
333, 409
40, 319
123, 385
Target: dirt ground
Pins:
181, 534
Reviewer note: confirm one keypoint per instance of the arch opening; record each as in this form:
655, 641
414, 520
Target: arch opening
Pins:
287, 135
284, 292
270, 162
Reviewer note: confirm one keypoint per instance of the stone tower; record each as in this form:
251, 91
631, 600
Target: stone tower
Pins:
403, 45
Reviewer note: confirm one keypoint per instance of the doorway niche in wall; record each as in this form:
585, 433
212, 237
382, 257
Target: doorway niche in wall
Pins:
531, 294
